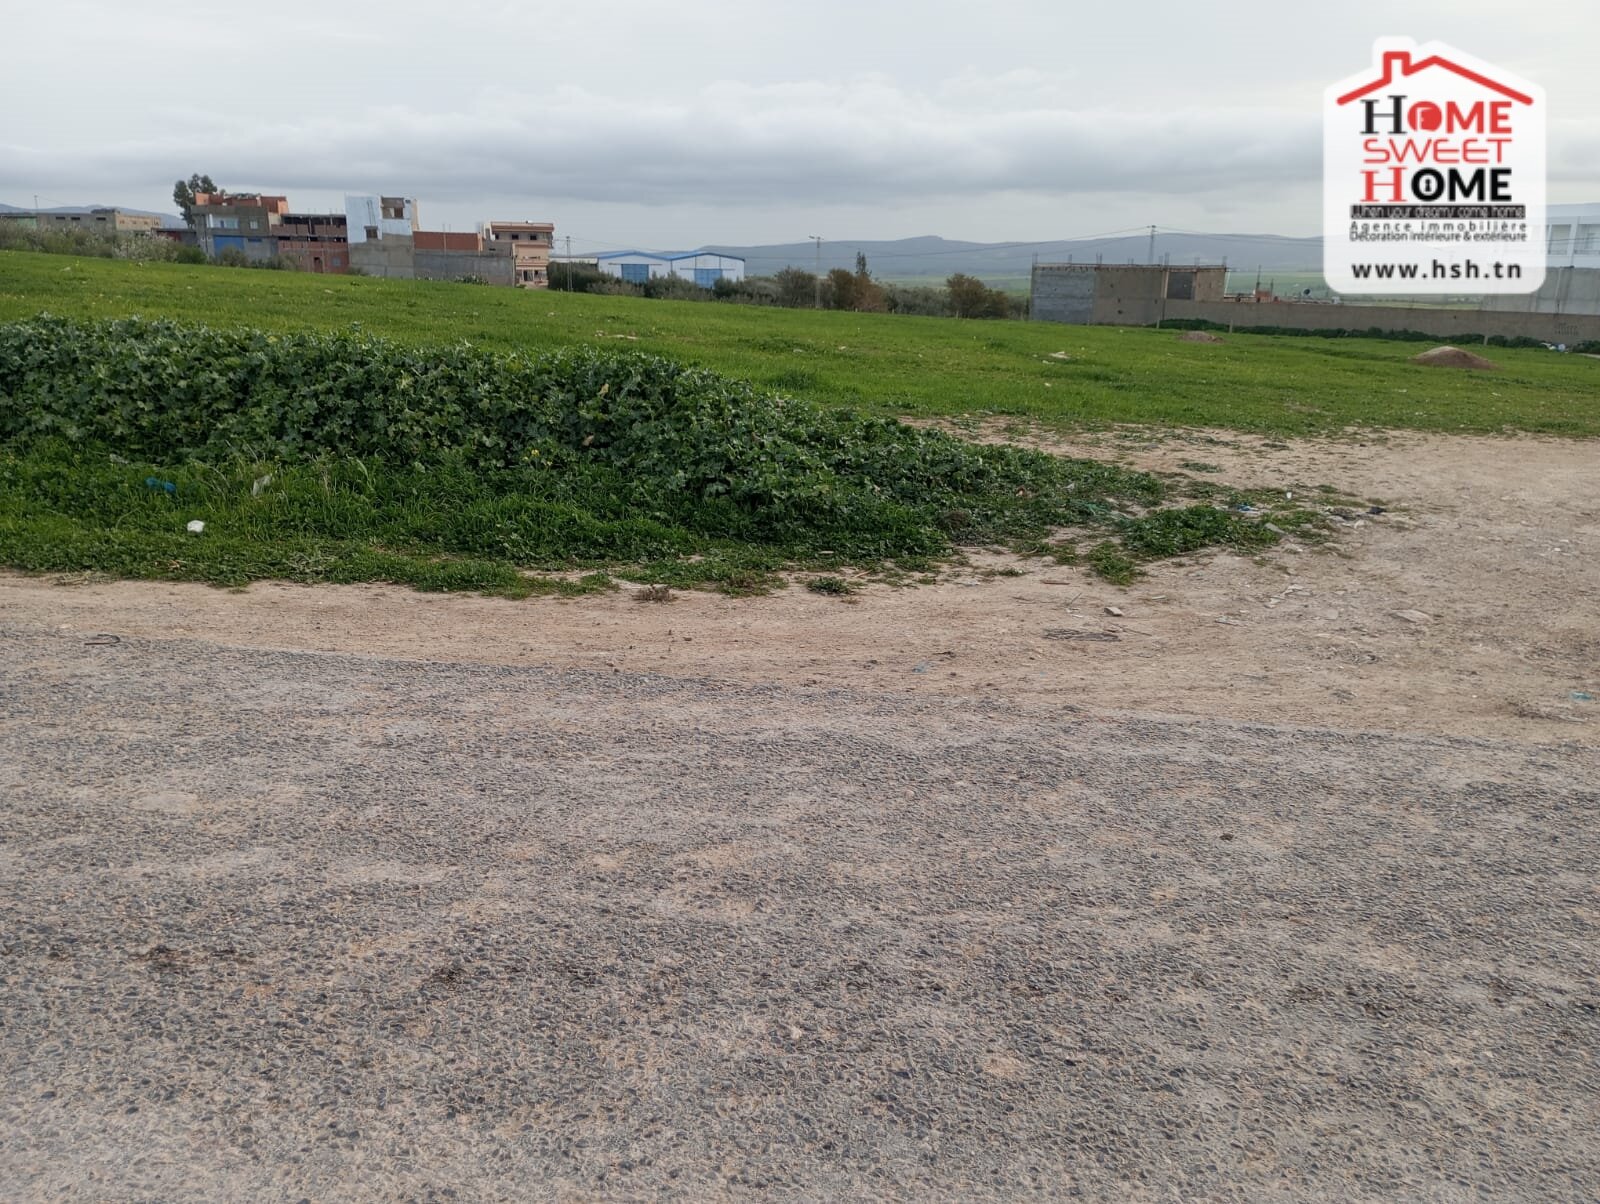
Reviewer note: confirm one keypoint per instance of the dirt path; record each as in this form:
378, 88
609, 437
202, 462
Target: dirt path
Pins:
281, 926
1496, 541
354, 893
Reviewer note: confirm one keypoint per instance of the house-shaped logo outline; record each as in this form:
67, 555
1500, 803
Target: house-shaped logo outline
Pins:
1397, 63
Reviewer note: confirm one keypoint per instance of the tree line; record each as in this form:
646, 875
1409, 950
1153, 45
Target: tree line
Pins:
961, 296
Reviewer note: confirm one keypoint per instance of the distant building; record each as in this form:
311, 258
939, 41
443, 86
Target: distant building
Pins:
1572, 266
530, 244
315, 242
370, 218
1572, 236
95, 221
704, 268
386, 239
1118, 294
245, 223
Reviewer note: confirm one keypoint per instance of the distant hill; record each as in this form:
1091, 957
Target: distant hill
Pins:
931, 256
171, 220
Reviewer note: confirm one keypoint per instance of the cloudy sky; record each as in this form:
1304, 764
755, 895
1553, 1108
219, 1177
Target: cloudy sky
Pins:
635, 122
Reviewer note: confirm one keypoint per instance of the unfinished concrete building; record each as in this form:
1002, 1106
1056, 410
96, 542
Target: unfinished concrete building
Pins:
1093, 294
314, 242
530, 244
386, 239
245, 223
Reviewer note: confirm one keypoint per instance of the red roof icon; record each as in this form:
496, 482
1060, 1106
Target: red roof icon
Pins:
1398, 63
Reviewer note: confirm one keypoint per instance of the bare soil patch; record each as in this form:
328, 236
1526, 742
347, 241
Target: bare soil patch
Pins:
1491, 541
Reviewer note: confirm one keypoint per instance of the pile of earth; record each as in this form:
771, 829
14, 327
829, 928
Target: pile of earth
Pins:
1454, 357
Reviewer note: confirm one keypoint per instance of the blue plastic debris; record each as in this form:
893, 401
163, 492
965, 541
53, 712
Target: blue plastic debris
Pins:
1582, 696
158, 483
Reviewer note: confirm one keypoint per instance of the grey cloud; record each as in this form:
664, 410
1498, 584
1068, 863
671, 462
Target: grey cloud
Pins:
864, 142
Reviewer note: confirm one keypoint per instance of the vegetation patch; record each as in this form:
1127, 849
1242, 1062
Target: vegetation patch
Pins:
891, 364
345, 457
833, 586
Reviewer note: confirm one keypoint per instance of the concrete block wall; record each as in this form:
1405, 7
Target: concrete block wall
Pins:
1444, 323
497, 267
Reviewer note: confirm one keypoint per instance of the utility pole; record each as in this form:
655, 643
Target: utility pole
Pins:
569, 263
817, 238
1151, 257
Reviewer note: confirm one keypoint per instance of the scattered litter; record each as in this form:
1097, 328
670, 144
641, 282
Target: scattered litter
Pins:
922, 668
1413, 616
1582, 696
103, 638
1059, 355
159, 484
1274, 528
1114, 610
259, 485
1375, 510
1245, 508
196, 526
1072, 633
1454, 357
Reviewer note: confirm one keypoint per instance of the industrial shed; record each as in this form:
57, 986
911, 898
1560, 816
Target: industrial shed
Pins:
704, 268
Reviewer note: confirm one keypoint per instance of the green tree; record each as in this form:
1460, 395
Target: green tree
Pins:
869, 297
972, 298
183, 194
797, 288
841, 289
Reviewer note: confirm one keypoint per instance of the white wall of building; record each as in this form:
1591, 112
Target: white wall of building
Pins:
702, 267
1573, 236
365, 212
626, 265
729, 267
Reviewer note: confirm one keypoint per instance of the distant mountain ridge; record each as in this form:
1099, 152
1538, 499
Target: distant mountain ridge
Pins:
933, 256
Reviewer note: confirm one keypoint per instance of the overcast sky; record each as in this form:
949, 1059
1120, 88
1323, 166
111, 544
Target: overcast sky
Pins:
639, 123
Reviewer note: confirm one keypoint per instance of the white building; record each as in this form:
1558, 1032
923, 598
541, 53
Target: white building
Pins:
373, 218
704, 268
1572, 266
1572, 236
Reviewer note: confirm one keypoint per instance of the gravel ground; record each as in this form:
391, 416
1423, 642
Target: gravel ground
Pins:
312, 926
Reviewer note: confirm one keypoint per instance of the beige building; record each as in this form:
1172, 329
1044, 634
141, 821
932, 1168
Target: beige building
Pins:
530, 244
95, 221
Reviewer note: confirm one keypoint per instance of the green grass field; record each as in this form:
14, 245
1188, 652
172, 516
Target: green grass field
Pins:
878, 363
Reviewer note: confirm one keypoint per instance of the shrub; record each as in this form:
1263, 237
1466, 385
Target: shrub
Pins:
588, 455
972, 298
660, 436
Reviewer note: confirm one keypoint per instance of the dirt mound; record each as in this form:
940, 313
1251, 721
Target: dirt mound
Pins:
1198, 336
1454, 357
